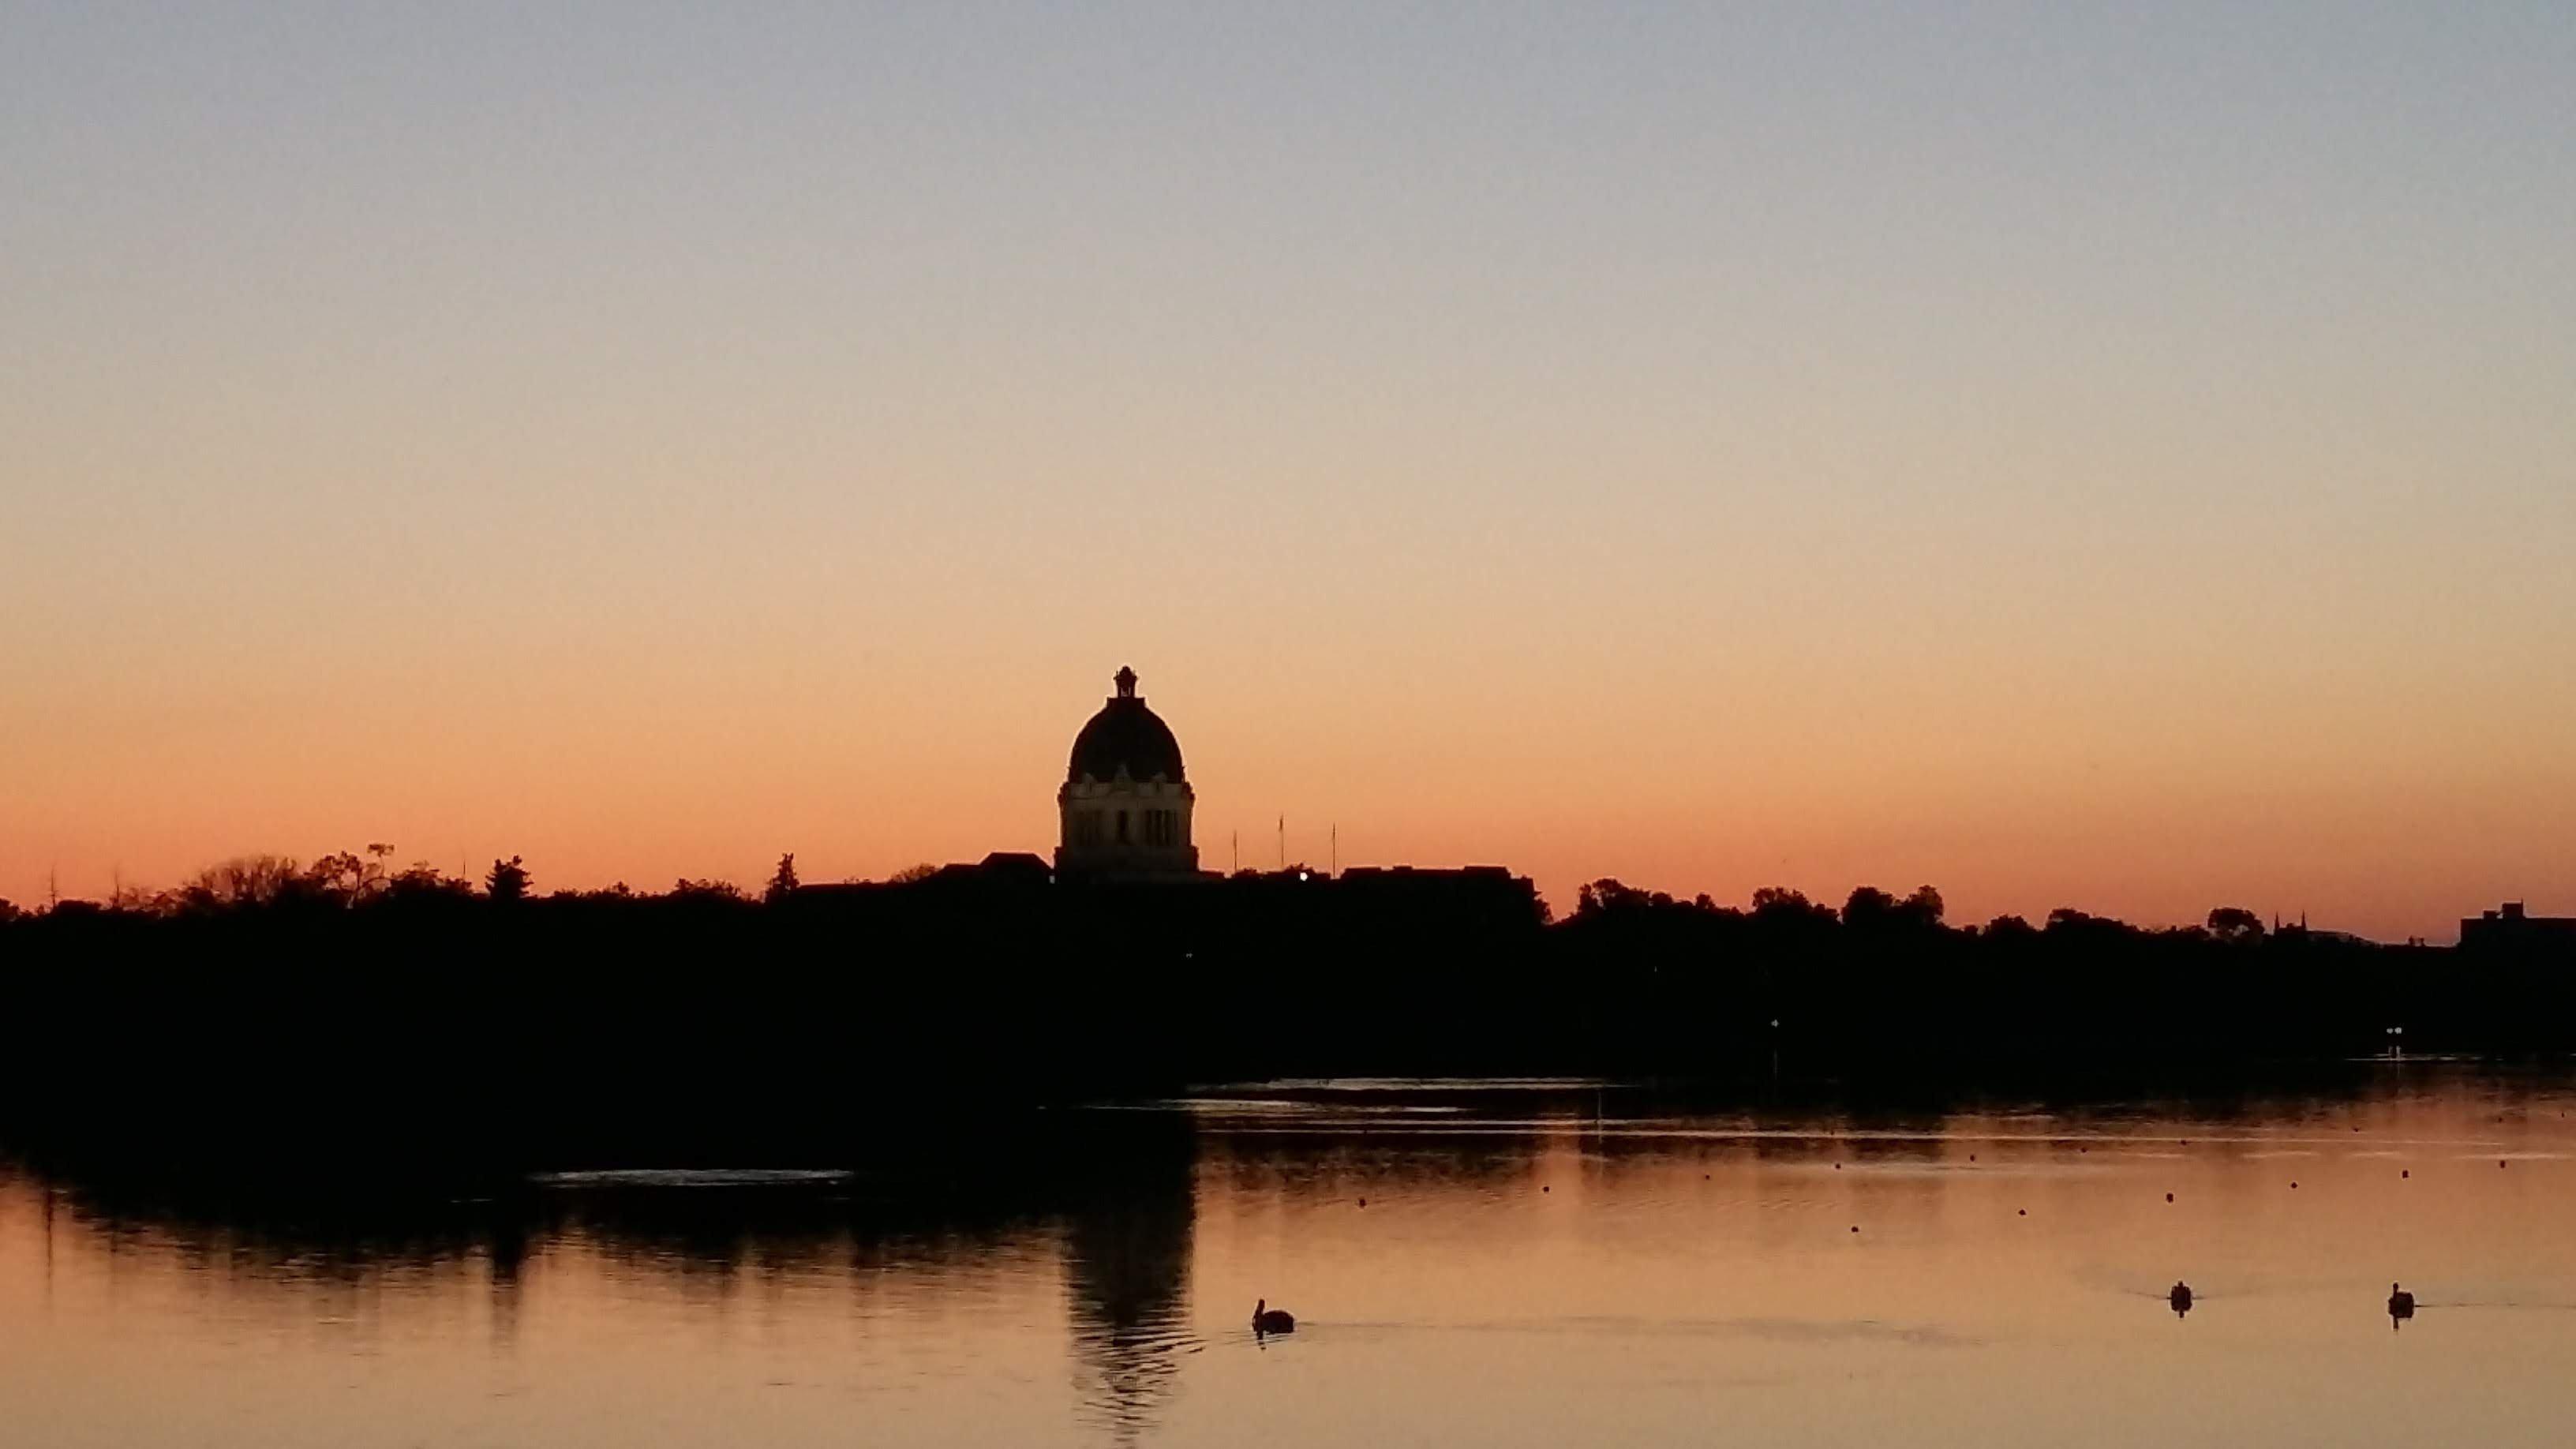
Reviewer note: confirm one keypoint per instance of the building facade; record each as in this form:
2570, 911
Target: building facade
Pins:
2513, 930
1126, 800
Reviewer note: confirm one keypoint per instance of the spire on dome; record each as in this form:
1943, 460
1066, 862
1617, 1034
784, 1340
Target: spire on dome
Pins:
1126, 679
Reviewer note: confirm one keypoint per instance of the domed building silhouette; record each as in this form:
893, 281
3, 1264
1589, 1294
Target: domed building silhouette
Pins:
1126, 800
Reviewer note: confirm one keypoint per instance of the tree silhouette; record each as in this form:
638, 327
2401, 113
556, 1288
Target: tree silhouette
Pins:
2010, 928
1781, 905
1609, 894
244, 880
421, 881
2235, 923
347, 879
508, 880
783, 883
1868, 908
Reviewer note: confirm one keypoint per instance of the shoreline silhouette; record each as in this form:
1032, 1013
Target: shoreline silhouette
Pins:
336, 995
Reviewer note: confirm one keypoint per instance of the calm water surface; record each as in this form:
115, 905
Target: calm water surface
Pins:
1498, 1263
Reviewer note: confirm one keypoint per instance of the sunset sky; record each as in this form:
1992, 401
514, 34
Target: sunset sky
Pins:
2072, 454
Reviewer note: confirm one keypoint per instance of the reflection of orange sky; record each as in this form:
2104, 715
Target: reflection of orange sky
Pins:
1523, 1273
1720, 1276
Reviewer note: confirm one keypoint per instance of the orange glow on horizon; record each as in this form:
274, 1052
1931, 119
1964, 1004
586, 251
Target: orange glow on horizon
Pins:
645, 786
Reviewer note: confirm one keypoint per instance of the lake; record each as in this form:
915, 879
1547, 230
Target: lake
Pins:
1499, 1263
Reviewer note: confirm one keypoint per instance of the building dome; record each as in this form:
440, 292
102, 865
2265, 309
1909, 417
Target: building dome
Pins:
1125, 737
1126, 805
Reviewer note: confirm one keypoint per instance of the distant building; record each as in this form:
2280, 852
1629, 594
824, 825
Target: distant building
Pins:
1125, 808
1126, 801
1011, 873
1466, 902
1004, 867
1125, 885
2509, 928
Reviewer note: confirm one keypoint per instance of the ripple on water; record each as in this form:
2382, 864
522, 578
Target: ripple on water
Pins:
692, 1177
1128, 1372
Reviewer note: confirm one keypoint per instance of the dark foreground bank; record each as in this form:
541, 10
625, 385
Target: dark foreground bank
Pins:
465, 1024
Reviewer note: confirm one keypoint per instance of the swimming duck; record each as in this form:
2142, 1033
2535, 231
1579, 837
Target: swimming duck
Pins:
2180, 1297
1266, 1319
2401, 1304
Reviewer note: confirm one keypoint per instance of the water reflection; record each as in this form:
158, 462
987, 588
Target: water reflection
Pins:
1527, 1264
1127, 1270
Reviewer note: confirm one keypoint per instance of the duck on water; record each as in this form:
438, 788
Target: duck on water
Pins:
2401, 1305
1266, 1319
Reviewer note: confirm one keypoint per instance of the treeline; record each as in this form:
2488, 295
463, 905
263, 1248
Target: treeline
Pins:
1887, 978
271, 885
346, 988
